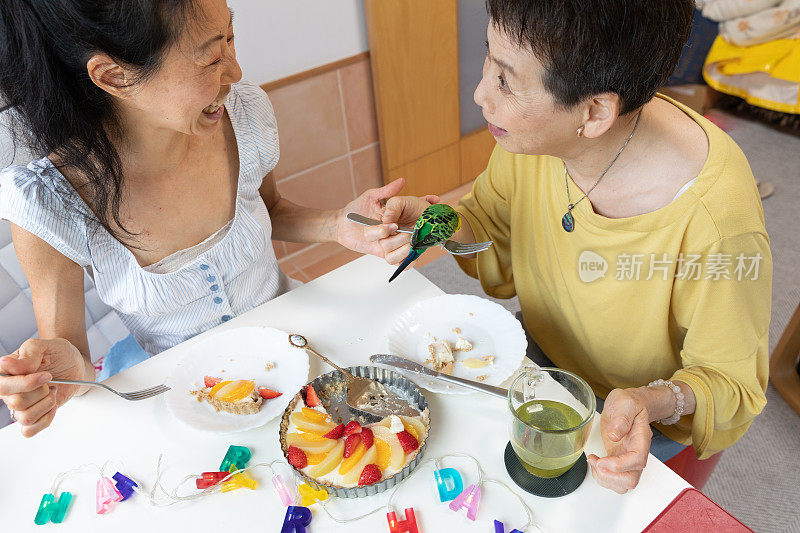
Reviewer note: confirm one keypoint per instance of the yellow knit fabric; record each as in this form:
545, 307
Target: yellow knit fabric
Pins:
618, 331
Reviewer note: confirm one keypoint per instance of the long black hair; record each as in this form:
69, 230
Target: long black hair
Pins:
55, 106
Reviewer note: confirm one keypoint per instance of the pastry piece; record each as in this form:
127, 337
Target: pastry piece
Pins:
238, 397
441, 356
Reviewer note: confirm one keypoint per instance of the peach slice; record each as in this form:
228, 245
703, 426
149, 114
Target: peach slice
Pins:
309, 446
330, 462
369, 457
396, 454
304, 423
350, 462
315, 458
314, 415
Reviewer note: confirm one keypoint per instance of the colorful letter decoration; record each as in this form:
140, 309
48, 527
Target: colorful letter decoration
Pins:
442, 476
237, 456
471, 499
500, 527
283, 491
52, 511
310, 495
409, 525
209, 479
107, 495
238, 481
296, 520
124, 485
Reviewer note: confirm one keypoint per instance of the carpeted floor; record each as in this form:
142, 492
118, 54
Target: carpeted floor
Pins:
758, 479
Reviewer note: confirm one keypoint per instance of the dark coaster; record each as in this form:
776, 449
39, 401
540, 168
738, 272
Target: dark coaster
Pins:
553, 487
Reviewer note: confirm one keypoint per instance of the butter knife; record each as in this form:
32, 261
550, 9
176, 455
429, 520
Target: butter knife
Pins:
412, 366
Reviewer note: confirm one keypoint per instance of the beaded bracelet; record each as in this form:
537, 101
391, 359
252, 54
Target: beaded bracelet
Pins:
678, 397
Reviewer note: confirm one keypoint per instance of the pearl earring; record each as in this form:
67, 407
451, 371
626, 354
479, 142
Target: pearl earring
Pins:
580, 131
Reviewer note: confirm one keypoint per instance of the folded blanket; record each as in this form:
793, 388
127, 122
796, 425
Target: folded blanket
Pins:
721, 10
782, 22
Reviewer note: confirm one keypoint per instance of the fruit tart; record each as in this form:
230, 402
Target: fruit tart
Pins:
240, 396
348, 455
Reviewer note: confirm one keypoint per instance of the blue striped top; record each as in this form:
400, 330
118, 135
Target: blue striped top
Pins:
236, 274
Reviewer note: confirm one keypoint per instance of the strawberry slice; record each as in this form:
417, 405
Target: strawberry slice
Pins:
312, 400
366, 437
369, 475
350, 444
268, 394
210, 381
297, 457
352, 428
335, 433
407, 441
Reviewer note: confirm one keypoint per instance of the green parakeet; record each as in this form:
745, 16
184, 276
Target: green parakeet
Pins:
434, 226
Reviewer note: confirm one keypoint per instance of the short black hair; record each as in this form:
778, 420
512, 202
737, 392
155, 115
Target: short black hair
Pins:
587, 47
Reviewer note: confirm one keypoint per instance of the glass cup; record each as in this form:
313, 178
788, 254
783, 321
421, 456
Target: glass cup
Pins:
551, 416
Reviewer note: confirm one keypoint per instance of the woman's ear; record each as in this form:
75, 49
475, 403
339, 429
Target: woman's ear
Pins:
600, 114
108, 75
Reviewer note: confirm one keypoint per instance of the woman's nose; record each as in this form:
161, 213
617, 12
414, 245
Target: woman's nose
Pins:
233, 72
480, 97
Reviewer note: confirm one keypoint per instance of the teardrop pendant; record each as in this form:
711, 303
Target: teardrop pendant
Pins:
567, 222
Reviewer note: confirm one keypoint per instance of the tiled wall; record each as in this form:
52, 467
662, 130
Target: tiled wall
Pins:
329, 154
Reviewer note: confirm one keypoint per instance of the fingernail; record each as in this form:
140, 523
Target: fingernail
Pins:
394, 227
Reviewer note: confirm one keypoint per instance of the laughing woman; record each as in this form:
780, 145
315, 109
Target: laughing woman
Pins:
629, 226
154, 179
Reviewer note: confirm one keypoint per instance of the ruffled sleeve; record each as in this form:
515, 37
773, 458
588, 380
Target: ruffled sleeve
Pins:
29, 199
253, 111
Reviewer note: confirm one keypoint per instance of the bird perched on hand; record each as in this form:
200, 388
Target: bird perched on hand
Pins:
434, 226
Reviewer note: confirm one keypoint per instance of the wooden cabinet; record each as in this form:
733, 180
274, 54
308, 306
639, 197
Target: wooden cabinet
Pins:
414, 54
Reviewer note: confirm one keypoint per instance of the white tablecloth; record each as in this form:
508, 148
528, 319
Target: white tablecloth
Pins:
345, 315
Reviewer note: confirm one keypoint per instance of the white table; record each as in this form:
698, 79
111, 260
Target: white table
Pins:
345, 315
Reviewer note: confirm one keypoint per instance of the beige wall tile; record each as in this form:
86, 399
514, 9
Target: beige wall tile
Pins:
359, 104
367, 168
310, 123
326, 187
294, 247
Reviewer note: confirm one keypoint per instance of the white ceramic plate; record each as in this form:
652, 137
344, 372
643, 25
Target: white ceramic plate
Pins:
490, 328
241, 353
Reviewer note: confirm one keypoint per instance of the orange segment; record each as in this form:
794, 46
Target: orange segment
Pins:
410, 429
369, 457
351, 461
215, 389
384, 454
316, 458
315, 416
312, 435
233, 390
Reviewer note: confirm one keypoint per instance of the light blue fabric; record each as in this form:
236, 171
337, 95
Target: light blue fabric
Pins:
124, 354
237, 274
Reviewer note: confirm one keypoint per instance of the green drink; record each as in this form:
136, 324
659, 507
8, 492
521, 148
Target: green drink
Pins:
553, 450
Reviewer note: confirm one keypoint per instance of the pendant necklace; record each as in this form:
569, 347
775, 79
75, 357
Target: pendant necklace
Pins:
567, 222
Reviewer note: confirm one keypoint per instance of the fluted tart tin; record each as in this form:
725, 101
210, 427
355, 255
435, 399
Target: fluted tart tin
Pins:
330, 388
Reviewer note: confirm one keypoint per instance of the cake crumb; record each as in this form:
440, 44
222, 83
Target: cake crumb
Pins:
482, 378
269, 366
463, 344
456, 331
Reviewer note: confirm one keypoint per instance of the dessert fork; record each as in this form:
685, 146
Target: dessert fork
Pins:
454, 247
132, 396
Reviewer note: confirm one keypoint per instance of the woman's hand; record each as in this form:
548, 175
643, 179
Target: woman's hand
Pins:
30, 368
374, 203
625, 428
402, 211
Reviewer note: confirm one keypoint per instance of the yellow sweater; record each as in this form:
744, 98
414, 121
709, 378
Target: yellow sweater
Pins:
658, 310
